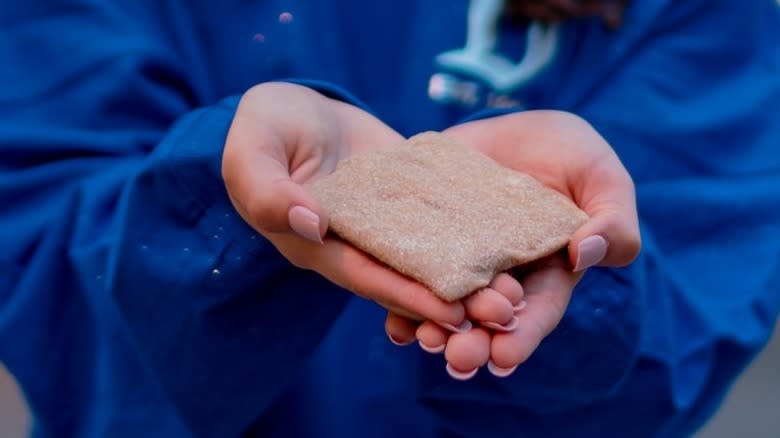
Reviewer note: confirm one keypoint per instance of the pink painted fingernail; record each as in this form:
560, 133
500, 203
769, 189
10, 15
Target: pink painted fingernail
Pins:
460, 375
305, 223
508, 327
432, 350
520, 306
463, 327
590, 251
398, 342
498, 371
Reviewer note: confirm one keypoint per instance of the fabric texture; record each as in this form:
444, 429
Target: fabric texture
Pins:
444, 214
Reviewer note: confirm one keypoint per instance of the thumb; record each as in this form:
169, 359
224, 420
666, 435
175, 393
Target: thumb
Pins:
306, 223
607, 239
257, 177
611, 236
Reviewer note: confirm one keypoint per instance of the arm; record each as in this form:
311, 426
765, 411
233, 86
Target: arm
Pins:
113, 208
699, 301
211, 305
171, 212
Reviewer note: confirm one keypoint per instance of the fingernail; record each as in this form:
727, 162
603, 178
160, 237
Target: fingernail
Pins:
520, 306
463, 327
305, 222
397, 341
432, 350
460, 375
498, 371
508, 327
590, 251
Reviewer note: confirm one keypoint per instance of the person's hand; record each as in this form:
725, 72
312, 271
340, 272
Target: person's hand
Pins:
503, 300
567, 154
284, 135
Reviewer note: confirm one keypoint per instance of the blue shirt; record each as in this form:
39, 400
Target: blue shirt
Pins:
134, 301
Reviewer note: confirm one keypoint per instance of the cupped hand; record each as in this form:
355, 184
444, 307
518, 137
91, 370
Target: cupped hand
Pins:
282, 137
567, 154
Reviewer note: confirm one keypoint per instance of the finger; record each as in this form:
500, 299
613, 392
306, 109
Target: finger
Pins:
589, 172
547, 293
509, 287
611, 237
385, 285
491, 309
259, 183
355, 271
400, 330
467, 352
464, 326
432, 337
400, 312
262, 152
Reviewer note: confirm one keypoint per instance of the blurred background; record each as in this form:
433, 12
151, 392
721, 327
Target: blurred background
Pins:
752, 410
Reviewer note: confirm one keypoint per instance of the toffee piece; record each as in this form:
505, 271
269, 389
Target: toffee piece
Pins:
444, 214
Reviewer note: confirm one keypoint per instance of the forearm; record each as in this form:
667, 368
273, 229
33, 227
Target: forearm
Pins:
126, 212
213, 307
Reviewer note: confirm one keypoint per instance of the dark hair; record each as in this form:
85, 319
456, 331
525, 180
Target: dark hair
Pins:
550, 11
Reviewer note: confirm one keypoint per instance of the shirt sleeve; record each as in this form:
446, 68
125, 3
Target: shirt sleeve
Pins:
112, 195
212, 306
691, 107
